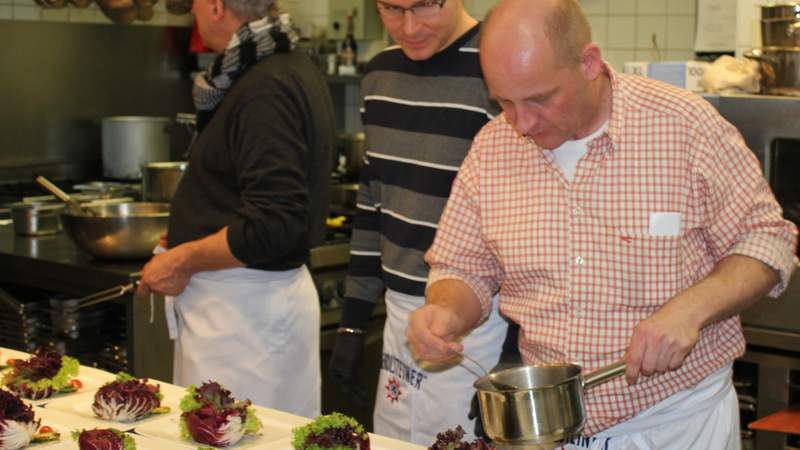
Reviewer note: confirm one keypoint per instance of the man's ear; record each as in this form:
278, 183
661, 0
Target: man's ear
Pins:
591, 61
217, 9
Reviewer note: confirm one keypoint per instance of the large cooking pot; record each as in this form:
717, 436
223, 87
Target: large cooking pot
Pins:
118, 231
130, 141
160, 180
778, 69
547, 407
780, 33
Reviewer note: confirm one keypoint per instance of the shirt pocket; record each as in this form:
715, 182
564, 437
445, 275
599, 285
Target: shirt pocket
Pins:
645, 271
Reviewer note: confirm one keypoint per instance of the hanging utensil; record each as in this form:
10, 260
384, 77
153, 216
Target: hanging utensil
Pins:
74, 206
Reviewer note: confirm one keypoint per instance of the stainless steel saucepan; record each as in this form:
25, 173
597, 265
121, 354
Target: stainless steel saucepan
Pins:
547, 408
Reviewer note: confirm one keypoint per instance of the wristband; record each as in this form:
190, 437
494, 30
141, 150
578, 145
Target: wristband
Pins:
343, 330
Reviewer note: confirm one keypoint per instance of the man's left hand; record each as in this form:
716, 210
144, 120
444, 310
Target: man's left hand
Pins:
163, 274
660, 343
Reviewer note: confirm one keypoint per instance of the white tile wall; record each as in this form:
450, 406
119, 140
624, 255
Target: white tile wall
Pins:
622, 28
631, 24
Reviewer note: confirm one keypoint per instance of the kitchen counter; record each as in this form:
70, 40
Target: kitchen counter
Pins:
55, 264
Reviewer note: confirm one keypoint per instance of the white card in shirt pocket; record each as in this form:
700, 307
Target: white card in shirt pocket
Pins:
665, 224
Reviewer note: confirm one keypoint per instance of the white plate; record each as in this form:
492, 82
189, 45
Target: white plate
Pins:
142, 443
80, 405
275, 427
375, 443
10, 353
90, 378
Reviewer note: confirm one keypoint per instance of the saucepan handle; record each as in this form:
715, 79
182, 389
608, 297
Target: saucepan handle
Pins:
604, 374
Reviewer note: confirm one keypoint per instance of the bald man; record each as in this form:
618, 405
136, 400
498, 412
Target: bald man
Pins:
602, 209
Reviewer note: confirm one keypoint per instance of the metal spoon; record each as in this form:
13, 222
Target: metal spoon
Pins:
74, 206
502, 386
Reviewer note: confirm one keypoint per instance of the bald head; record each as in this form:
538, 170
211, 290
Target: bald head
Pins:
556, 27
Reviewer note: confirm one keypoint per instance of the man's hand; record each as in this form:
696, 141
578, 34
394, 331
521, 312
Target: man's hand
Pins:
660, 343
431, 333
164, 274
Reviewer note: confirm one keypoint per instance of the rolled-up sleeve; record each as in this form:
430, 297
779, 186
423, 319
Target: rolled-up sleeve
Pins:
744, 216
458, 251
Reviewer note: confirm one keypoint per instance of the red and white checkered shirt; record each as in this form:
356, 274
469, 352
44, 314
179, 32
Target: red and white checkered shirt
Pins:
575, 262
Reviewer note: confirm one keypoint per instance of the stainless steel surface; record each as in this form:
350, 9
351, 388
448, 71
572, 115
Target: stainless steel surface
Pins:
344, 194
73, 206
160, 179
36, 219
778, 69
546, 411
141, 70
119, 231
497, 383
131, 141
351, 146
764, 122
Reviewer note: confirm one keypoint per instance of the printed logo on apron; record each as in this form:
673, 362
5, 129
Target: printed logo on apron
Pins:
402, 371
393, 391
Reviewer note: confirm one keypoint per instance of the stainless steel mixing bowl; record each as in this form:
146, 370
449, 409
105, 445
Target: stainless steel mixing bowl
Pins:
119, 231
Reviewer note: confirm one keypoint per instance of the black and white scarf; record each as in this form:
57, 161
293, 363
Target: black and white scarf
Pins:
250, 44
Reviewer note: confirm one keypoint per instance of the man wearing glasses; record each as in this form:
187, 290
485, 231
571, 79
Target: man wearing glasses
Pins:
424, 99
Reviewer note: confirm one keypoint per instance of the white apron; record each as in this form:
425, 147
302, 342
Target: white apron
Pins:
705, 417
413, 404
256, 332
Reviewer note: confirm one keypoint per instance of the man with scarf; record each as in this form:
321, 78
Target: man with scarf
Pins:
250, 205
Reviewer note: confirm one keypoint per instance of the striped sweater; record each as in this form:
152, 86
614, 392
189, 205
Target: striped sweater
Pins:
419, 120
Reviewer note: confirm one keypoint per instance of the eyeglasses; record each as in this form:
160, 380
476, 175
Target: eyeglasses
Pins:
425, 8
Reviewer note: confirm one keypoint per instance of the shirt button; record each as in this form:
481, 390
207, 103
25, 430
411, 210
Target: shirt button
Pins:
579, 260
576, 211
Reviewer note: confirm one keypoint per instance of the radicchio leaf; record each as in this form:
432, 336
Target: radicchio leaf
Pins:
103, 439
17, 424
213, 417
331, 431
126, 399
42, 375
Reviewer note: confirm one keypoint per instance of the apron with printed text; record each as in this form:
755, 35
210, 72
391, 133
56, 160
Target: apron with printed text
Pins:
255, 332
414, 404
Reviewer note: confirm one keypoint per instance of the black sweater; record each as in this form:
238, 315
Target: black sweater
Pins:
262, 166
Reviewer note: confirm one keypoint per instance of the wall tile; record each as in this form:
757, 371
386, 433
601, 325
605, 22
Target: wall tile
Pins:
680, 32
5, 12
184, 20
599, 26
616, 7
55, 15
650, 55
82, 15
595, 7
6, 2
688, 7
646, 27
25, 12
24, 2
621, 32
618, 57
680, 55
651, 7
